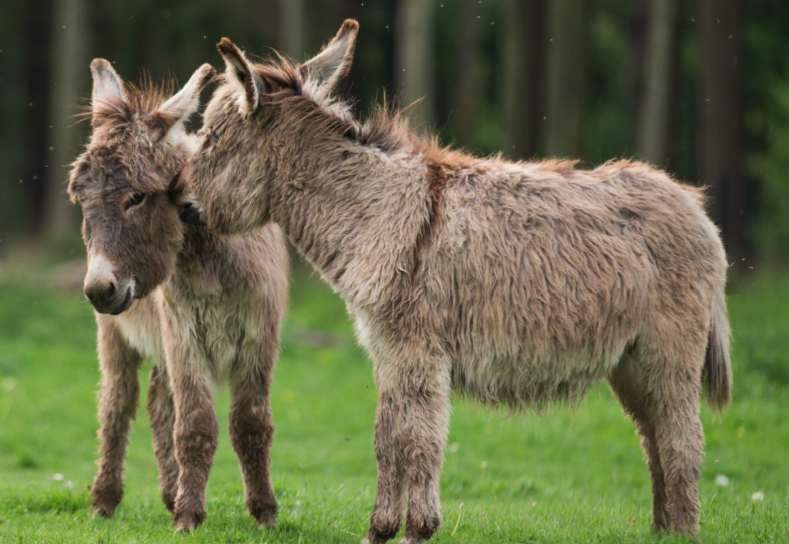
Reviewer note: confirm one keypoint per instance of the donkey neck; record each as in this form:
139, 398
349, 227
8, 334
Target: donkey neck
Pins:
355, 212
198, 260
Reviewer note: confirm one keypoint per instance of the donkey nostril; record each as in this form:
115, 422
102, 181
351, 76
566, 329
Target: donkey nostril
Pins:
111, 289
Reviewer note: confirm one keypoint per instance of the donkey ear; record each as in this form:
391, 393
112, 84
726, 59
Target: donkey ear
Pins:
107, 84
240, 72
334, 62
177, 110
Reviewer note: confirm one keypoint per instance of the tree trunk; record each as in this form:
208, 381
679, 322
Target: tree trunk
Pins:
69, 85
721, 117
292, 28
658, 61
522, 44
467, 89
414, 58
567, 42
33, 174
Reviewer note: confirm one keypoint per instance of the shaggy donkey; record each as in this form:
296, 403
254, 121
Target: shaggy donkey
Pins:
202, 307
515, 283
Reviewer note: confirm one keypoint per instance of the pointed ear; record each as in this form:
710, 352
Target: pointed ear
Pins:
334, 61
177, 110
185, 102
107, 85
242, 73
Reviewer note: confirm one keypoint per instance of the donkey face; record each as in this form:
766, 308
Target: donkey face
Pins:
249, 132
131, 229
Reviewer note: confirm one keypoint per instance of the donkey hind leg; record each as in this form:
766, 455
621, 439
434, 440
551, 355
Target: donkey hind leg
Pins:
118, 399
251, 433
195, 440
410, 435
674, 368
630, 388
161, 413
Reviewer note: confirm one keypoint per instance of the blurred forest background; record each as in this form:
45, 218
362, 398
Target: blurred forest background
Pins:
698, 87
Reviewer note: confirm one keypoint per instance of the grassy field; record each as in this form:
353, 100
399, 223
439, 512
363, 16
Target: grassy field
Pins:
572, 476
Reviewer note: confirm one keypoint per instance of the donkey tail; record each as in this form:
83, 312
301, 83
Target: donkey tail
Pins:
717, 366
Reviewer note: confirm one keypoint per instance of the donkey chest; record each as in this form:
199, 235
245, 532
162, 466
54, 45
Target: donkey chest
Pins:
142, 330
216, 327
212, 327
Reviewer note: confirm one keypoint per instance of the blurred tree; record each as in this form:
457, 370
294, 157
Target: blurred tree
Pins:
467, 88
520, 96
35, 55
766, 119
413, 58
565, 78
697, 87
721, 119
67, 88
655, 115
292, 28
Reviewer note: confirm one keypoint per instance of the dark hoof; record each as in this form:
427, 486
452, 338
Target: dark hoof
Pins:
106, 512
186, 522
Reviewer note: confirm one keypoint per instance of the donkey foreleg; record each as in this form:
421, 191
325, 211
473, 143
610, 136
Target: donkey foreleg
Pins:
118, 399
161, 414
410, 434
195, 434
251, 429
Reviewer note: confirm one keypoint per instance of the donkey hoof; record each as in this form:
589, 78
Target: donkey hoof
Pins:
267, 524
188, 522
184, 527
412, 539
267, 519
264, 511
106, 512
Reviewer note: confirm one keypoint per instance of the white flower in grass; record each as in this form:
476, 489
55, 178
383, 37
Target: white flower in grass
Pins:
57, 476
69, 484
758, 496
721, 480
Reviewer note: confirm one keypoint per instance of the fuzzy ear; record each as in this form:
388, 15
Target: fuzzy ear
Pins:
177, 110
333, 62
242, 73
107, 84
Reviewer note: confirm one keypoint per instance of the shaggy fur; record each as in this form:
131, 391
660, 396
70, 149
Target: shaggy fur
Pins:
515, 283
205, 308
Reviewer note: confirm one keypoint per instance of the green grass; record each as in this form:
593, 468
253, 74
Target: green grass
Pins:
572, 476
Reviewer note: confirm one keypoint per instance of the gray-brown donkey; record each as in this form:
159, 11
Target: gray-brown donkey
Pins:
516, 283
202, 307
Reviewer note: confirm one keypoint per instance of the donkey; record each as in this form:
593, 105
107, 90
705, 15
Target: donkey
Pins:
517, 283
203, 307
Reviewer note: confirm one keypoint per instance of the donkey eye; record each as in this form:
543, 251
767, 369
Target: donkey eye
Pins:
136, 199
214, 137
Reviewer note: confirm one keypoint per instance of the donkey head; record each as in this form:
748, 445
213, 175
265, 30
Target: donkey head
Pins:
250, 130
131, 229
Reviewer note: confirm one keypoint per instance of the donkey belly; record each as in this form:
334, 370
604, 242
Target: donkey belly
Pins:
523, 377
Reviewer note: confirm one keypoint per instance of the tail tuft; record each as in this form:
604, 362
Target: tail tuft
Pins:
717, 366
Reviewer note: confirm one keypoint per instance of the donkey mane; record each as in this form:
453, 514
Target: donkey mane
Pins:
387, 128
140, 100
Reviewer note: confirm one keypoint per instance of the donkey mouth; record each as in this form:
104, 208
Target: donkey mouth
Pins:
123, 306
